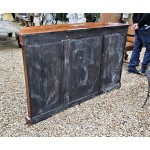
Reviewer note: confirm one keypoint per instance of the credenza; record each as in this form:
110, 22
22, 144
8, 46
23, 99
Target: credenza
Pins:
67, 64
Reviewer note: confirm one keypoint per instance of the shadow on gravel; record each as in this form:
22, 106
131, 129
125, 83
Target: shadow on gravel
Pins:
8, 42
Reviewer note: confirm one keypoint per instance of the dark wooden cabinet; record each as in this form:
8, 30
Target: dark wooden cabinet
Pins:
67, 64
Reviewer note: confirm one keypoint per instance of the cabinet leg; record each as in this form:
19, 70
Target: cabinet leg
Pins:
17, 38
9, 34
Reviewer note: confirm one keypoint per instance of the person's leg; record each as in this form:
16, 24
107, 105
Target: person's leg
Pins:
145, 36
135, 54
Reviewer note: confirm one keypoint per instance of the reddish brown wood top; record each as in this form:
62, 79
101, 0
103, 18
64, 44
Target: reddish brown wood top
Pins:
67, 27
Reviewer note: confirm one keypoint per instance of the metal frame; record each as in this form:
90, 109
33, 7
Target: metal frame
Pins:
148, 78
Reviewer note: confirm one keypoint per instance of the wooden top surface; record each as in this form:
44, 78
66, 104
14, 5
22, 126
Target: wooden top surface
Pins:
67, 27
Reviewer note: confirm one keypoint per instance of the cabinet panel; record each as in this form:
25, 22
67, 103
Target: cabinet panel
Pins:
85, 59
45, 75
112, 61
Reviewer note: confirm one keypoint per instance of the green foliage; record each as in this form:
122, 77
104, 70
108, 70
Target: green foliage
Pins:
61, 17
92, 17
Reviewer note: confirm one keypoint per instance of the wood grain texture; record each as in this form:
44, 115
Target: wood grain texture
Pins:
67, 27
27, 84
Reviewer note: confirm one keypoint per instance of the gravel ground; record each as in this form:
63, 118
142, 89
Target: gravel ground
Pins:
116, 113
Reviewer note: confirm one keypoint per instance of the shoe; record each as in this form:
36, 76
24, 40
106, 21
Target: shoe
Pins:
133, 70
143, 70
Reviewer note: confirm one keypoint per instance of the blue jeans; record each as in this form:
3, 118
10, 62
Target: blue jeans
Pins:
142, 38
